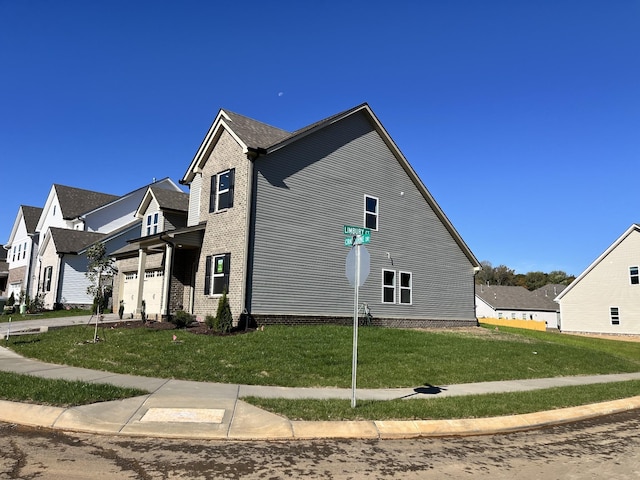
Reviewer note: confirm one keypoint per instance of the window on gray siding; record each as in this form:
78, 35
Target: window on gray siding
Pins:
222, 187
634, 275
614, 313
217, 270
371, 209
406, 287
388, 286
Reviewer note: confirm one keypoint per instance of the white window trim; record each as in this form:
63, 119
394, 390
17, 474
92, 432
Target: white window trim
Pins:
401, 288
637, 275
153, 223
394, 286
376, 213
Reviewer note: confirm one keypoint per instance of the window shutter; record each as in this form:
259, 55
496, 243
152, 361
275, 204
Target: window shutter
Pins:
232, 176
212, 193
207, 276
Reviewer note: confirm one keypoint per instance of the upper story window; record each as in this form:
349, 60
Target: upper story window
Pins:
222, 186
13, 258
24, 251
152, 223
634, 275
371, 208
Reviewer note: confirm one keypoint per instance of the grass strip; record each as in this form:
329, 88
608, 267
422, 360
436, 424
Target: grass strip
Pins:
471, 406
60, 393
315, 356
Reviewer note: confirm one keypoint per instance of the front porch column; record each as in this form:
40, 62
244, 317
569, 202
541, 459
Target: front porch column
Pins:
142, 262
166, 280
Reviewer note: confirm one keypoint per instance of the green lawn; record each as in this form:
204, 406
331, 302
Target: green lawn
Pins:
61, 393
15, 317
321, 356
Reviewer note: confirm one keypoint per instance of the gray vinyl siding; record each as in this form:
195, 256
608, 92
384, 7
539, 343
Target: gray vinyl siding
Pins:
194, 200
306, 192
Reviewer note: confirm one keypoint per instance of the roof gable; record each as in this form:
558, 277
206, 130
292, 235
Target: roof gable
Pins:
166, 200
635, 228
250, 134
258, 138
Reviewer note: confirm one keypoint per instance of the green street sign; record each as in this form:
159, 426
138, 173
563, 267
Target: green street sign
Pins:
362, 235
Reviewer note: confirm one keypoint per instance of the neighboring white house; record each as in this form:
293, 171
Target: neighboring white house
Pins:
47, 247
517, 303
605, 298
21, 248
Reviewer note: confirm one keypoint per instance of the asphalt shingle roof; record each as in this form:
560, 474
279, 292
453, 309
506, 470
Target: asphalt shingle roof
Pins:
514, 298
171, 200
76, 201
253, 133
31, 217
73, 241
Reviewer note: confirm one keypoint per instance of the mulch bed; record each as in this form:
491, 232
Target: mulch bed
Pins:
197, 328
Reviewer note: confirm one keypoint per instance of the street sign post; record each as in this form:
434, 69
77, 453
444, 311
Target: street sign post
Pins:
357, 270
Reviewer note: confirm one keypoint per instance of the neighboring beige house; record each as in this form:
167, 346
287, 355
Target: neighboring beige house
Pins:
605, 298
143, 274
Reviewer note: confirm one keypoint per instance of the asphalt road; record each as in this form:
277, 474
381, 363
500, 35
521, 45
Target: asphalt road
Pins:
607, 447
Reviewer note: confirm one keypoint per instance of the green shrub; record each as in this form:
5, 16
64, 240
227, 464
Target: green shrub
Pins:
181, 319
224, 317
211, 322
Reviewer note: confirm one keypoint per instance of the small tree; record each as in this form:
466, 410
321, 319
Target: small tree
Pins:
100, 272
223, 316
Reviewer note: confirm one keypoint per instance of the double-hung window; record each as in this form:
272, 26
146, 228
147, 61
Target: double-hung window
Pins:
402, 282
371, 212
217, 268
388, 286
406, 288
222, 187
634, 275
152, 223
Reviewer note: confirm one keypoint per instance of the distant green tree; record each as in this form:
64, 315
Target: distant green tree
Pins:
535, 280
504, 275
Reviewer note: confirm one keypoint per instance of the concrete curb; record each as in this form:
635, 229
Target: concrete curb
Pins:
251, 423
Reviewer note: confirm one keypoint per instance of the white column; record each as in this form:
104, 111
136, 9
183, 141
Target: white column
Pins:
142, 261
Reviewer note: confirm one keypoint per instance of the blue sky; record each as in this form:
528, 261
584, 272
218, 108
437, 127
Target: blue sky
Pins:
521, 117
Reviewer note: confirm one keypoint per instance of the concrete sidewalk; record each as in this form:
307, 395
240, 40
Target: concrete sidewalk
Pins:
184, 409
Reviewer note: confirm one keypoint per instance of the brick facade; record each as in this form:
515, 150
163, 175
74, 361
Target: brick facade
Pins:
226, 231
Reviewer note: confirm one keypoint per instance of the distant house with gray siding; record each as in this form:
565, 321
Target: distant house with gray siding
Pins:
265, 222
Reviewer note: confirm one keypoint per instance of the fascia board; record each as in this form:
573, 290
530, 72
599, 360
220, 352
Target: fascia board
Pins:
208, 143
594, 264
107, 238
144, 203
14, 229
47, 207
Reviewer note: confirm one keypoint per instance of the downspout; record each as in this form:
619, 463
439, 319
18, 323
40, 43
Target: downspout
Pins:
252, 155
